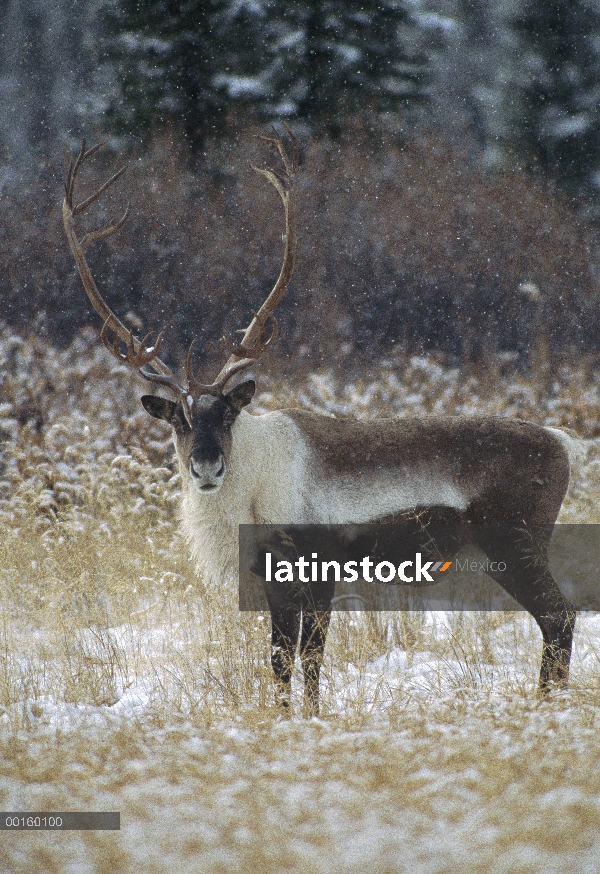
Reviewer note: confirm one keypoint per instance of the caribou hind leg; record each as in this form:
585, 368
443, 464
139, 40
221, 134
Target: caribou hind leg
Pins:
557, 633
529, 581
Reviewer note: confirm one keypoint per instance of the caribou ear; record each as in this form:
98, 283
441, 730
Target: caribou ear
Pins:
160, 408
240, 396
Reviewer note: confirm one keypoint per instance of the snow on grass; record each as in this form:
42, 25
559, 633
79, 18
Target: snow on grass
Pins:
127, 683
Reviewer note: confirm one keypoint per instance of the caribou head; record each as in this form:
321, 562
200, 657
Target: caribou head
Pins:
202, 414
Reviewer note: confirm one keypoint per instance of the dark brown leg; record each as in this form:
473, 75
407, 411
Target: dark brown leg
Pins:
285, 627
529, 581
557, 633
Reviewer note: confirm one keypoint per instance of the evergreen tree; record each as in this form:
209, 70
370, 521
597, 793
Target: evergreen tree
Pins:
472, 39
170, 59
314, 59
331, 59
44, 76
554, 93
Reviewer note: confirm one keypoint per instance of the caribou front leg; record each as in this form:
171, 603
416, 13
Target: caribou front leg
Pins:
285, 627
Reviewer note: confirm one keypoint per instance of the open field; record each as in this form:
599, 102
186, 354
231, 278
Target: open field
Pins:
127, 683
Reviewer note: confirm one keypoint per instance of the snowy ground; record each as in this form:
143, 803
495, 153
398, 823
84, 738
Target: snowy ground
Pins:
128, 684
442, 767
439, 778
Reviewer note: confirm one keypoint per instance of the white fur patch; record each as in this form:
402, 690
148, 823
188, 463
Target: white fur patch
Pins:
576, 447
365, 497
263, 483
273, 477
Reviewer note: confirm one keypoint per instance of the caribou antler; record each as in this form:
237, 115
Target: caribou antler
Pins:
137, 355
254, 343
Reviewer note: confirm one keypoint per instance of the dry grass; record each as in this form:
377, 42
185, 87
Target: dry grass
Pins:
127, 683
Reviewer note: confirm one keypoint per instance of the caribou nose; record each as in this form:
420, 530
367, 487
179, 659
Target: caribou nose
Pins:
207, 475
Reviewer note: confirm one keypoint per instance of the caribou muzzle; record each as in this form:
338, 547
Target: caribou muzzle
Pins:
208, 476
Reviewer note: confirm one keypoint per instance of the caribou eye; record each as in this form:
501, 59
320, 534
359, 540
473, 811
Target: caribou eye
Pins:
179, 421
228, 420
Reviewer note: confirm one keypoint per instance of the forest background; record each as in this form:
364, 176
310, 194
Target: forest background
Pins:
448, 198
448, 205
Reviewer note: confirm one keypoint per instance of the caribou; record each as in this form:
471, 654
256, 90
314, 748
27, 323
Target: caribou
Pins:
297, 467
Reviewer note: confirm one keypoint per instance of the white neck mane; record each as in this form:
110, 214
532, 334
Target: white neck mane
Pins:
261, 485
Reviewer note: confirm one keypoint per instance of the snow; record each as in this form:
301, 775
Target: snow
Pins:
137, 687
241, 86
435, 21
397, 674
572, 126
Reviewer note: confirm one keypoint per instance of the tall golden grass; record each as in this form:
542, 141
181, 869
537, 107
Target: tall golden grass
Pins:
127, 682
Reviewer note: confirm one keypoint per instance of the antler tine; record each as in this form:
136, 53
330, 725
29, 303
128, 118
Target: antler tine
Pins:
72, 173
253, 344
261, 345
84, 154
81, 207
137, 356
195, 387
227, 372
103, 233
163, 379
290, 164
135, 359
